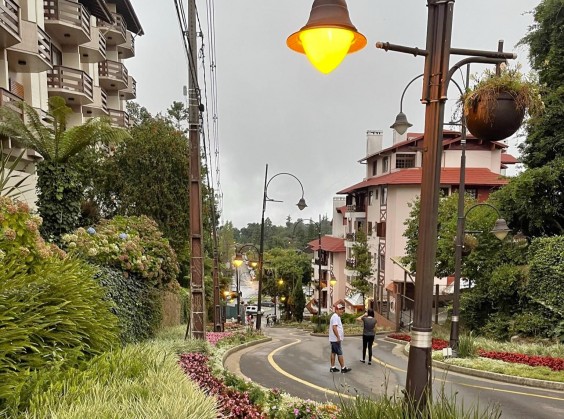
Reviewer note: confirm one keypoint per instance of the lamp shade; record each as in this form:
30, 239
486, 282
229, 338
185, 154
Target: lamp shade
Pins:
238, 260
333, 281
500, 229
401, 124
328, 35
301, 204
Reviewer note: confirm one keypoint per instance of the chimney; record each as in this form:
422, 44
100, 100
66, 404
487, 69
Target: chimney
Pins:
373, 142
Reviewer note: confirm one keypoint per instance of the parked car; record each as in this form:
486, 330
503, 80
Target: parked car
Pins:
267, 304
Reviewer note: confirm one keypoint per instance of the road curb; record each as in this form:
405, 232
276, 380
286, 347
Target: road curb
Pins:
530, 382
237, 348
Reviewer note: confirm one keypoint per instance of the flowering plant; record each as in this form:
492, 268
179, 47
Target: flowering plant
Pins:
133, 244
438, 344
19, 234
555, 364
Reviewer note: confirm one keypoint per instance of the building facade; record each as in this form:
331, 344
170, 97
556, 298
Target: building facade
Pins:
73, 49
379, 204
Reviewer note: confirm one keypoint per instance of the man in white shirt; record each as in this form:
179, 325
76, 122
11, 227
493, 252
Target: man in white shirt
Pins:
336, 336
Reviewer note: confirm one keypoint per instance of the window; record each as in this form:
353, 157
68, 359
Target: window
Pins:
384, 196
385, 164
381, 229
374, 167
445, 192
370, 196
370, 231
56, 56
405, 161
473, 192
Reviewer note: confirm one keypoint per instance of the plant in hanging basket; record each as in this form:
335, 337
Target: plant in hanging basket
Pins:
468, 244
495, 107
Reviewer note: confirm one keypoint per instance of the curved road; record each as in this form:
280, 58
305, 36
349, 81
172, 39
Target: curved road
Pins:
298, 363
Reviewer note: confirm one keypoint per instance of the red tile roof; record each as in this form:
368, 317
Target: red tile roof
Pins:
449, 176
508, 159
329, 244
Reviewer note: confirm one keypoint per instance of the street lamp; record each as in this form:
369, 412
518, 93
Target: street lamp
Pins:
500, 230
237, 262
436, 78
333, 282
301, 205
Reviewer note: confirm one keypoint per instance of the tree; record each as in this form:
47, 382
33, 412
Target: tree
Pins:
148, 174
59, 189
545, 139
363, 263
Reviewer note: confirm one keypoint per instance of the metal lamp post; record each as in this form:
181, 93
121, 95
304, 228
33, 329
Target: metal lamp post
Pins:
301, 205
329, 14
500, 230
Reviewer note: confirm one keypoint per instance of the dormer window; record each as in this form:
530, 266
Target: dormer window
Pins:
405, 161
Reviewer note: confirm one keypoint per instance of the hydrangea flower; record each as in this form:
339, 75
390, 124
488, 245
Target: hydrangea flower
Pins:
91, 230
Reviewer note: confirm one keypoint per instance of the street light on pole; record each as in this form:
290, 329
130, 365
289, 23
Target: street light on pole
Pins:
328, 15
301, 205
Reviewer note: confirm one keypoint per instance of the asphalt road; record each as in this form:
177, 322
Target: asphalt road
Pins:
298, 363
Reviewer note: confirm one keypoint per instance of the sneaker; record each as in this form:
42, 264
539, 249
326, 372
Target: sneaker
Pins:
369, 363
363, 361
333, 369
346, 369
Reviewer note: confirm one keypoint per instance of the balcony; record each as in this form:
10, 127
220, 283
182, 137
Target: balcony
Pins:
9, 23
67, 22
99, 105
119, 118
72, 84
356, 208
93, 51
116, 34
33, 54
112, 76
127, 50
130, 92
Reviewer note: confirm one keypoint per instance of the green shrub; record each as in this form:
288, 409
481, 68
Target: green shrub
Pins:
132, 244
138, 381
136, 303
466, 346
55, 315
498, 327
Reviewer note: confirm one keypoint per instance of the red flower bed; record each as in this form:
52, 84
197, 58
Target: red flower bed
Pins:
438, 344
232, 403
555, 364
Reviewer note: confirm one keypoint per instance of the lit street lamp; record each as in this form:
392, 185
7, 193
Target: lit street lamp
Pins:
301, 205
332, 282
333, 14
500, 230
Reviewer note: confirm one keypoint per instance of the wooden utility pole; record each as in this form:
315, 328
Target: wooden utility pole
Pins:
197, 317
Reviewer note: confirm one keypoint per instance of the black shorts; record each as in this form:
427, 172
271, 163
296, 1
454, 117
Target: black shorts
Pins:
336, 348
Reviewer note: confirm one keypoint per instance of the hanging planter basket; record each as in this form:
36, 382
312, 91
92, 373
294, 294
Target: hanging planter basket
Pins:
496, 106
495, 119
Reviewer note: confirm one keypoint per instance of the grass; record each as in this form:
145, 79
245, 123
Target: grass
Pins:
138, 381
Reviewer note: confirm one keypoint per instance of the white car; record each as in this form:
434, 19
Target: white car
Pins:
251, 309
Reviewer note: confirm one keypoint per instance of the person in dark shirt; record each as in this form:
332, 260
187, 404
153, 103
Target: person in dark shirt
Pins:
368, 333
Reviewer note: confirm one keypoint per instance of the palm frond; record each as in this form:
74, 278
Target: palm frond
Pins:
8, 173
94, 131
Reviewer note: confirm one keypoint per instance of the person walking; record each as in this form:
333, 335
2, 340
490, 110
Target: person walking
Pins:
336, 336
368, 333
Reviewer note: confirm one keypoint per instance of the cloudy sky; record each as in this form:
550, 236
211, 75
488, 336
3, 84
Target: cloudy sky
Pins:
276, 109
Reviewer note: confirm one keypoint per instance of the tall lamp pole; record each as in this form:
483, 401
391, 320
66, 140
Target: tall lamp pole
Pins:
500, 230
301, 205
327, 15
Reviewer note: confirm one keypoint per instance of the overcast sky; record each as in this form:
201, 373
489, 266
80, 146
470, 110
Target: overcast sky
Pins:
276, 109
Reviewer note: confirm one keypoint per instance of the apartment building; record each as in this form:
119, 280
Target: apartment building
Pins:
73, 49
378, 204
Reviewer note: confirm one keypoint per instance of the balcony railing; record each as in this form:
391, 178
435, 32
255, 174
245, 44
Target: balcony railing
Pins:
10, 21
115, 72
69, 12
351, 237
94, 50
119, 118
44, 45
9, 100
130, 92
70, 79
127, 49
356, 208
117, 33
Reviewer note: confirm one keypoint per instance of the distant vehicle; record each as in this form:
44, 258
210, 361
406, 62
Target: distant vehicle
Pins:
251, 309
267, 304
